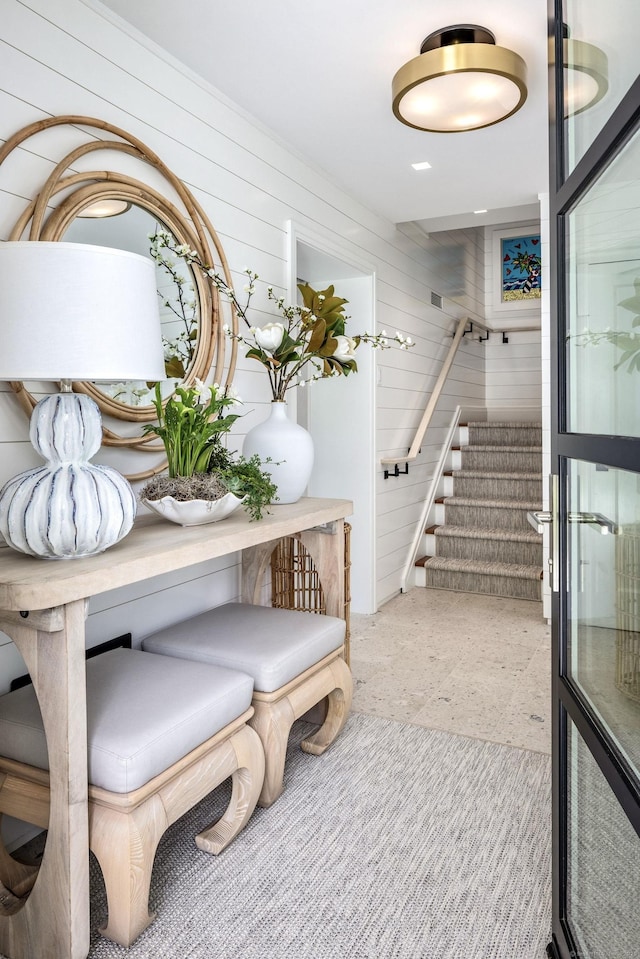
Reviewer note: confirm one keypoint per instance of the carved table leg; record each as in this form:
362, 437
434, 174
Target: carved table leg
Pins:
327, 552
53, 923
326, 548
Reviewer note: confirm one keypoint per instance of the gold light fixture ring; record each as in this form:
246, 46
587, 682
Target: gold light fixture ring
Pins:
585, 74
461, 81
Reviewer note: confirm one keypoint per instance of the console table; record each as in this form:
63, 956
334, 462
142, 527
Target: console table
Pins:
43, 606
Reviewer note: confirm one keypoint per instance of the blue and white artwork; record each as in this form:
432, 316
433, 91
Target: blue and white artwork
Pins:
521, 264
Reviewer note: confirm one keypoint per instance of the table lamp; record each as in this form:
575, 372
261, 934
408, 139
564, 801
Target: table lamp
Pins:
70, 311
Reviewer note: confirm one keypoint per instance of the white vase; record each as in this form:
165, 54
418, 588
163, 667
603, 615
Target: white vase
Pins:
290, 448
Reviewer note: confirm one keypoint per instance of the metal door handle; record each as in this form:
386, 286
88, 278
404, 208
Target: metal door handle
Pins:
539, 518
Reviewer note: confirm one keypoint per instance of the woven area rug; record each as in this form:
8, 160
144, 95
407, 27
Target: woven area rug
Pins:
399, 842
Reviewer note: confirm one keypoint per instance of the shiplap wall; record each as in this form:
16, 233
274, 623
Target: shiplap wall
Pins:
71, 57
405, 382
513, 371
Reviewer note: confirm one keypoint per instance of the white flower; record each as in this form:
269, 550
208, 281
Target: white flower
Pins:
202, 392
269, 337
132, 393
345, 350
232, 394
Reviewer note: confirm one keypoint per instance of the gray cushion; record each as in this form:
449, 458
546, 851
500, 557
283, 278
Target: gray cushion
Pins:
272, 645
144, 713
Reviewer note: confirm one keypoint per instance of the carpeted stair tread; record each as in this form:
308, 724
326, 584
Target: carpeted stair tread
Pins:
481, 448
484, 542
489, 424
479, 532
492, 503
490, 474
486, 585
505, 434
506, 570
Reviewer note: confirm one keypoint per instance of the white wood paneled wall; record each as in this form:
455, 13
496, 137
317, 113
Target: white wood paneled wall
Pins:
513, 371
71, 57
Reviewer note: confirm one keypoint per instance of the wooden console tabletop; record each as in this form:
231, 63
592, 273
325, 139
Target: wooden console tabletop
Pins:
43, 607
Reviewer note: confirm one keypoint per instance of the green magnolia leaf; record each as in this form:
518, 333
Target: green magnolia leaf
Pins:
292, 357
329, 347
623, 359
318, 336
174, 368
307, 292
332, 304
286, 346
335, 365
264, 358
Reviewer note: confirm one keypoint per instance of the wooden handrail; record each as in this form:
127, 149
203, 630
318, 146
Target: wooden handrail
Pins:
431, 405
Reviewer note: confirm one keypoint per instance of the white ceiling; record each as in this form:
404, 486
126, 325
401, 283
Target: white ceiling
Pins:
318, 73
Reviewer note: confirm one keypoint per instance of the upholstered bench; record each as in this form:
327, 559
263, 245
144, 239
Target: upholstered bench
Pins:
161, 735
294, 659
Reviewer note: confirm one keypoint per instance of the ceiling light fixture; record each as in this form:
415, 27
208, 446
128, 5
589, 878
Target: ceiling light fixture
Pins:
423, 165
103, 208
461, 81
585, 74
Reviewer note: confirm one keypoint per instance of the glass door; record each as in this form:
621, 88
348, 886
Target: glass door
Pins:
595, 445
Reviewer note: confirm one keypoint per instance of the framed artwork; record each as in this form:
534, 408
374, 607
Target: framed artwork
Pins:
517, 257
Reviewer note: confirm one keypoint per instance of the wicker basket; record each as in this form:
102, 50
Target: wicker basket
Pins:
295, 583
628, 611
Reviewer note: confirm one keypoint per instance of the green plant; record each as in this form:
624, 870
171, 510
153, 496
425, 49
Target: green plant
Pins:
190, 424
627, 341
246, 478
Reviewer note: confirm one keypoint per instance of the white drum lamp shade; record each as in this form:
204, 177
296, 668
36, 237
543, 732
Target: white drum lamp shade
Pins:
69, 311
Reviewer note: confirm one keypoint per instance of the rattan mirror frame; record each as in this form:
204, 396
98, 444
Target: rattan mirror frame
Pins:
45, 219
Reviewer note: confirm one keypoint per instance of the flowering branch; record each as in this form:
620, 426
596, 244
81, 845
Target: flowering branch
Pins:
310, 343
628, 342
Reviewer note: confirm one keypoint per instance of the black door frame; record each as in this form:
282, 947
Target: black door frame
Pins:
614, 451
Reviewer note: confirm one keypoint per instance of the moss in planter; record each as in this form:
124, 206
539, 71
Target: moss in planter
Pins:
206, 486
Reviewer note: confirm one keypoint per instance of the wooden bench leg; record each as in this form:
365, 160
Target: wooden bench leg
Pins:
246, 780
273, 722
125, 845
339, 704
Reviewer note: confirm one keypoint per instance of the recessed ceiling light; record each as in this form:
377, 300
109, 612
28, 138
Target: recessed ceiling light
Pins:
480, 211
421, 166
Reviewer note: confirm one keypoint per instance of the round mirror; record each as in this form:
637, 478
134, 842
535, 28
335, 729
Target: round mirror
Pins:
127, 226
109, 208
189, 303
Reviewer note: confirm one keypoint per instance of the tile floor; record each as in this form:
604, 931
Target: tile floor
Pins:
470, 664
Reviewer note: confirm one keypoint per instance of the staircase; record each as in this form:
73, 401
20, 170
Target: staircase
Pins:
481, 541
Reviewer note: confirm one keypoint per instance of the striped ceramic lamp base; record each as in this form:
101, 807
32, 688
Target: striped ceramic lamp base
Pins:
69, 507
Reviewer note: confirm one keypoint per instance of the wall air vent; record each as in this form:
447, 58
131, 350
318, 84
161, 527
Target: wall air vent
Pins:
436, 300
